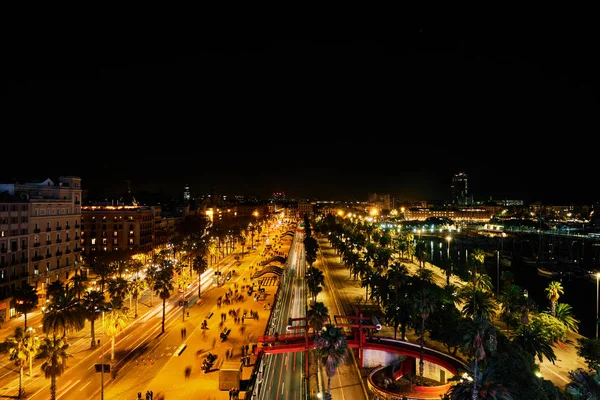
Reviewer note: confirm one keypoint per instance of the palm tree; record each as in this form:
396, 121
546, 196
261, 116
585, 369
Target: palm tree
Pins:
510, 299
553, 292
317, 315
53, 288
533, 342
564, 313
421, 254
22, 348
475, 345
488, 389
331, 344
114, 321
25, 299
64, 315
479, 302
150, 278
314, 280
79, 284
136, 288
93, 302
118, 288
163, 287
54, 351
425, 299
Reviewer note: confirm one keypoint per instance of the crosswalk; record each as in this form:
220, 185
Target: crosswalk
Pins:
268, 281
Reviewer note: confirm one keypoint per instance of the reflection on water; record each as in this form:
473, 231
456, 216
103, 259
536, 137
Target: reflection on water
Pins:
579, 292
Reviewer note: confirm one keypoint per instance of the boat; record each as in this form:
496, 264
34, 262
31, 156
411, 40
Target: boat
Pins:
547, 271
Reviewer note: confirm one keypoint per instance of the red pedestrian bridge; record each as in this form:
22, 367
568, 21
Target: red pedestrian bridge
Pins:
394, 361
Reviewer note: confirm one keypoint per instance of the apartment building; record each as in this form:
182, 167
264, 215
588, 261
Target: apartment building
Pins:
107, 228
39, 236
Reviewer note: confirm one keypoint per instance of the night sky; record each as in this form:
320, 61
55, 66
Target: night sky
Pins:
330, 119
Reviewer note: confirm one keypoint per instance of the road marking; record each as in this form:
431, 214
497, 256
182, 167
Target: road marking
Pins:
68, 388
84, 386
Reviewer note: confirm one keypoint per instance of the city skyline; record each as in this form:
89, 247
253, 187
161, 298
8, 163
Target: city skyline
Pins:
327, 120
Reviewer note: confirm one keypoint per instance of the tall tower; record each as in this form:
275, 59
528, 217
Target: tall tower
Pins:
186, 193
460, 192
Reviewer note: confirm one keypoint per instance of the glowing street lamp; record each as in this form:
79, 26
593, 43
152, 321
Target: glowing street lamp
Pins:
597, 300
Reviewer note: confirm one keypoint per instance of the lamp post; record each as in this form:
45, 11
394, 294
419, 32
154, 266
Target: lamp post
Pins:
449, 239
497, 272
597, 300
102, 360
102, 365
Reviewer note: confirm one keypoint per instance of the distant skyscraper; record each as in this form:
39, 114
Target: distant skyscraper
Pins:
186, 193
460, 189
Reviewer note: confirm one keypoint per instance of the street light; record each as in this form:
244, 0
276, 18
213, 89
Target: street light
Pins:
597, 300
498, 272
449, 239
102, 366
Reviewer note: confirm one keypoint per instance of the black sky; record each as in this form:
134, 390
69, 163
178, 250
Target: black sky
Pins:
332, 119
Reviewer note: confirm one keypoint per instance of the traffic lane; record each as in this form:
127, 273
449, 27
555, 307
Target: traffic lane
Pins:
82, 378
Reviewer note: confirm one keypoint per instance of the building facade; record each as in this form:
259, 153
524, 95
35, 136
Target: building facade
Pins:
108, 228
39, 236
460, 189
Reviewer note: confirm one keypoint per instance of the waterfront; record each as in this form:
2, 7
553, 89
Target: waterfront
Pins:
579, 292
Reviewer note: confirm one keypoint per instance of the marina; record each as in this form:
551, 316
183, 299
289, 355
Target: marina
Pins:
573, 261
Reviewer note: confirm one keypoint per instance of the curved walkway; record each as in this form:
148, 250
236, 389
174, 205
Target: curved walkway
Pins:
294, 343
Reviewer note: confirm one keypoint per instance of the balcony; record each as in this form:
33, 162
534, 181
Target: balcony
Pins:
59, 253
3, 250
36, 230
77, 250
48, 229
37, 258
36, 244
68, 252
68, 239
76, 226
48, 242
59, 228
68, 227
48, 255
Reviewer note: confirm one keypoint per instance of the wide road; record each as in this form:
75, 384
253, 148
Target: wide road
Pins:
140, 347
283, 374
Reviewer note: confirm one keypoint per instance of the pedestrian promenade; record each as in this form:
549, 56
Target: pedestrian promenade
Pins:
566, 353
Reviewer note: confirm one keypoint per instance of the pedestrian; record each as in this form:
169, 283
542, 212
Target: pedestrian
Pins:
140, 395
182, 333
147, 395
188, 372
151, 395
